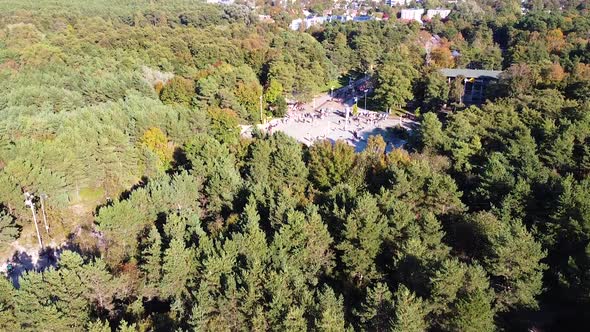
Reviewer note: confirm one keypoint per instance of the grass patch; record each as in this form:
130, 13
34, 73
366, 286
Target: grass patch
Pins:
336, 84
91, 194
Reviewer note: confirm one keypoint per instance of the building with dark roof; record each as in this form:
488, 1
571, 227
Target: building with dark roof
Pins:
475, 82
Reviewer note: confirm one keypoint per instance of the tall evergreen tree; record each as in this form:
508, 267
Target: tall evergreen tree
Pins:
377, 309
152, 254
331, 312
362, 240
409, 312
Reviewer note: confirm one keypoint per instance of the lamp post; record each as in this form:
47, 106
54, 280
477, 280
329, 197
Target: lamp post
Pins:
365, 91
29, 203
346, 119
43, 197
332, 92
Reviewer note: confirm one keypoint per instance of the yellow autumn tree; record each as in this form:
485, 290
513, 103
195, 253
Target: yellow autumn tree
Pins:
555, 40
156, 141
442, 57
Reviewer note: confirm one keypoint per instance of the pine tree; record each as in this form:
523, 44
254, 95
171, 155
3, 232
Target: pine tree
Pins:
230, 316
178, 270
394, 85
8, 321
409, 312
255, 251
98, 326
496, 179
436, 92
55, 299
432, 238
9, 231
284, 203
102, 288
126, 327
568, 236
203, 308
152, 254
34, 310
295, 321
330, 164
287, 169
362, 240
512, 257
259, 322
213, 161
472, 314
121, 223
302, 248
377, 309
446, 284
461, 297
67, 285
430, 134
331, 312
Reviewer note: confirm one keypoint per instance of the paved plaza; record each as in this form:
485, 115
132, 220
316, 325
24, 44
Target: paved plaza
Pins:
328, 121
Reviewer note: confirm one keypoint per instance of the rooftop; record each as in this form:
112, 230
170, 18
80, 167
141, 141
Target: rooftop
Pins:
471, 73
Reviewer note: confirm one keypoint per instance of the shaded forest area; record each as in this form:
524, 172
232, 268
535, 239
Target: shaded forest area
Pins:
126, 114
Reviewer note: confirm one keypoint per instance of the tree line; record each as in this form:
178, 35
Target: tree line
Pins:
126, 115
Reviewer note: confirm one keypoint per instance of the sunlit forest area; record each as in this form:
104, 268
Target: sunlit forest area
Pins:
125, 116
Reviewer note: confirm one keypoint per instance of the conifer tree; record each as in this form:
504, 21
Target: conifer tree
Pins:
472, 314
9, 231
8, 320
178, 270
409, 312
126, 327
98, 326
362, 240
152, 254
461, 297
102, 288
295, 320
377, 309
430, 134
203, 308
331, 312
512, 257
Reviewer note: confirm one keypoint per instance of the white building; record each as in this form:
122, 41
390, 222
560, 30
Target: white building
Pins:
394, 3
308, 22
414, 14
443, 13
296, 24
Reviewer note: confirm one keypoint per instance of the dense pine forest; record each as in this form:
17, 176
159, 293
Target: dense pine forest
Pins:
125, 116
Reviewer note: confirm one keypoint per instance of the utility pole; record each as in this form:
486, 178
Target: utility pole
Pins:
29, 202
43, 197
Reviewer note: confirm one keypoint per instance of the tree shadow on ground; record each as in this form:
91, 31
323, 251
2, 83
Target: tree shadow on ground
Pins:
392, 140
22, 262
